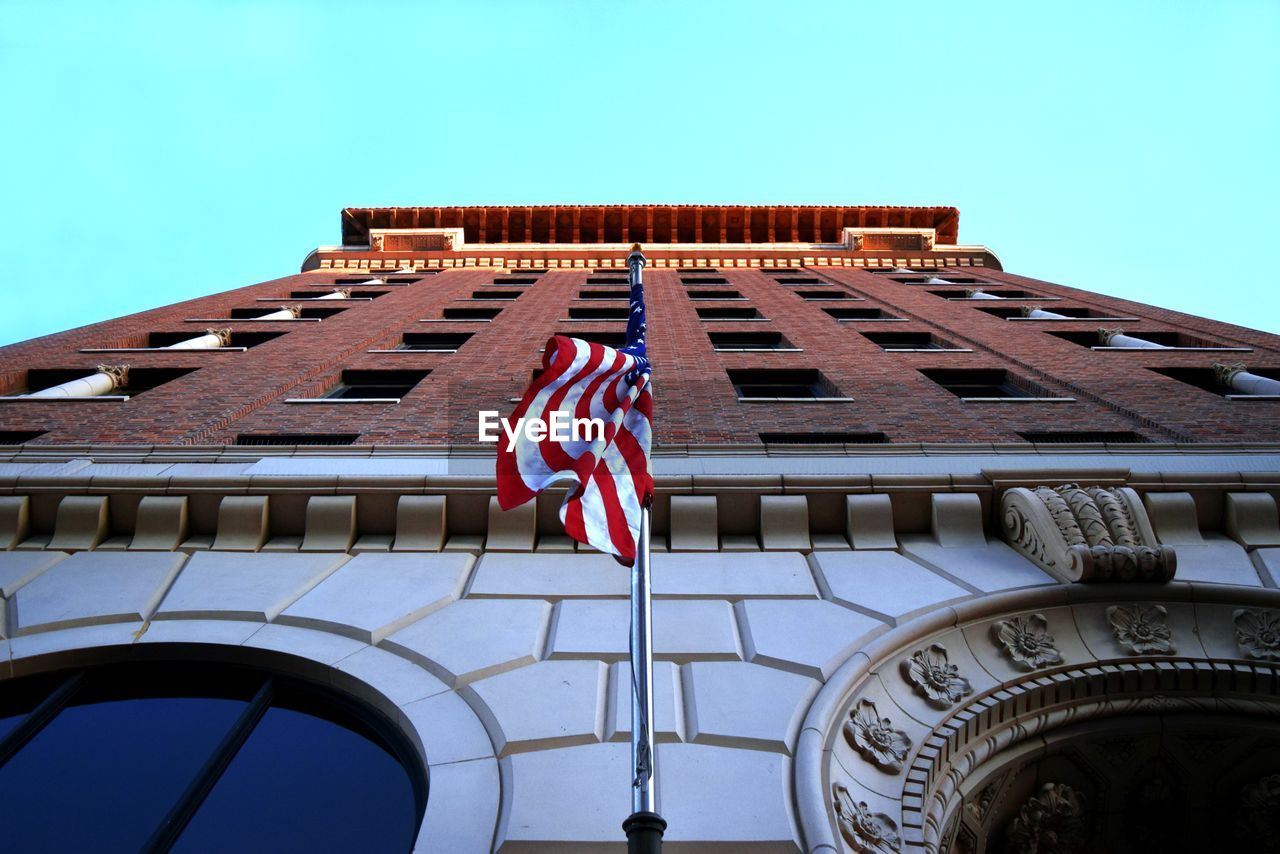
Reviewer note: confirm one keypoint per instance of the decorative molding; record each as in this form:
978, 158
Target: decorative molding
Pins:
1026, 640
889, 239
1050, 822
864, 830
416, 239
1085, 533
119, 374
1224, 373
935, 677
224, 335
1258, 633
875, 738
1142, 629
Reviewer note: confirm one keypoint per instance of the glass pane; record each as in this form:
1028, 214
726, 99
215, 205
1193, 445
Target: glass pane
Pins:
104, 772
306, 782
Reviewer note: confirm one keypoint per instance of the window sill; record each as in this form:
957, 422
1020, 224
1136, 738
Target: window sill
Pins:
163, 350
1178, 349
834, 299
312, 299
408, 350
1005, 299
757, 350
870, 319
1252, 396
734, 319
1018, 399
1067, 319
927, 350
795, 400
252, 319
485, 299
342, 400
621, 320
114, 398
458, 320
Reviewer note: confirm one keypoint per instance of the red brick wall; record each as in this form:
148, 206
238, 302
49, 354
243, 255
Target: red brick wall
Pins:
244, 393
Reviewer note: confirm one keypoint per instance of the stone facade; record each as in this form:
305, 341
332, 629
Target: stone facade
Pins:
933, 644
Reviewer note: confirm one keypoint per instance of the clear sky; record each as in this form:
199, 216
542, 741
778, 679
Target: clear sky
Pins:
153, 152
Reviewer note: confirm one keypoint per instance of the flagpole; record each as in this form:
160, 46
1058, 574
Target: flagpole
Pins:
644, 827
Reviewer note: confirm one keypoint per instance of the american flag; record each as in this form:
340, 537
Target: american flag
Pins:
608, 477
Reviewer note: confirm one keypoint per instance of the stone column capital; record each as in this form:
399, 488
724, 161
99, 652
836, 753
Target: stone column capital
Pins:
223, 334
1224, 373
119, 374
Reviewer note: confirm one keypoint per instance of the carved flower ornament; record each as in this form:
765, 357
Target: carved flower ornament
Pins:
863, 829
1258, 633
1142, 629
875, 738
1027, 640
935, 676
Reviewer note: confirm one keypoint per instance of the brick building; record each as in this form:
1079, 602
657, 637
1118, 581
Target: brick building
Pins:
936, 542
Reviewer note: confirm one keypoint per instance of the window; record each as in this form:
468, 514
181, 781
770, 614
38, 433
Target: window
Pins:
200, 757
621, 312
686, 279
496, 294
714, 295
825, 295
986, 384
375, 385
595, 336
1077, 437
843, 314
782, 384
798, 280
1166, 339
311, 295
934, 279
1207, 379
238, 339
315, 311
140, 379
291, 439
873, 438
18, 437
434, 342
1068, 313
470, 313
615, 293
906, 342
375, 280
515, 280
747, 342
729, 313
995, 292
621, 279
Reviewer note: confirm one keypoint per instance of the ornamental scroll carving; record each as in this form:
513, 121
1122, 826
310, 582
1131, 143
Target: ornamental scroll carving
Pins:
1087, 533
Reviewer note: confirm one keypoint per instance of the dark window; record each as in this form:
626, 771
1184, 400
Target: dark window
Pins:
940, 280
1206, 378
470, 313
297, 438
798, 280
595, 336
621, 312
373, 281
140, 379
1070, 437
824, 295
773, 383
515, 280
320, 311
195, 757
1008, 311
238, 339
1167, 339
438, 342
700, 271
874, 438
617, 293
375, 385
843, 313
17, 437
995, 292
745, 312
983, 382
712, 295
686, 279
496, 294
730, 341
908, 341
311, 295
622, 279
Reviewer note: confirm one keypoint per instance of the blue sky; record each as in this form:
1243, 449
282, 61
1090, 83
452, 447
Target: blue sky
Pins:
154, 152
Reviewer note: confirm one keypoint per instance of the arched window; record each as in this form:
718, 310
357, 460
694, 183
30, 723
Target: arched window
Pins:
199, 757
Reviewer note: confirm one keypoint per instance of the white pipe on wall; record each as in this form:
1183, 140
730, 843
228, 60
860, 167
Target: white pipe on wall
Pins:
1117, 338
338, 293
287, 312
213, 339
1037, 311
1236, 378
979, 293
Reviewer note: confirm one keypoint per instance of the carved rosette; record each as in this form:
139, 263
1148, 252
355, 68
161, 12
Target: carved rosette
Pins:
1026, 640
875, 738
1258, 633
1142, 629
934, 676
119, 374
864, 830
224, 335
1050, 822
1085, 533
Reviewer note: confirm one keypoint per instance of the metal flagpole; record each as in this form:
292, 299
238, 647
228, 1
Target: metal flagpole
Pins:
644, 827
